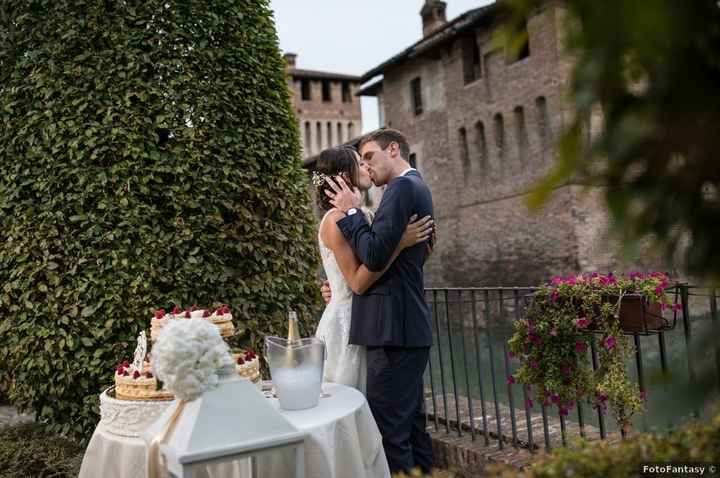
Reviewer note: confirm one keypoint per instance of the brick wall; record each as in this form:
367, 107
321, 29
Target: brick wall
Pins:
486, 235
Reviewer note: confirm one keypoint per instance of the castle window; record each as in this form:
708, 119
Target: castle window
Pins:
499, 136
416, 95
326, 93
318, 136
471, 59
346, 95
340, 138
524, 50
305, 89
351, 131
308, 138
413, 160
521, 133
330, 141
463, 148
481, 143
543, 119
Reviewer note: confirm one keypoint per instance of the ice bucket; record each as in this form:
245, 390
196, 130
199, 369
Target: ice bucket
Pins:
297, 369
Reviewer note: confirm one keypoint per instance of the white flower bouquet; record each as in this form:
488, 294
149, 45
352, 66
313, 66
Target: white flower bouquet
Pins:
189, 356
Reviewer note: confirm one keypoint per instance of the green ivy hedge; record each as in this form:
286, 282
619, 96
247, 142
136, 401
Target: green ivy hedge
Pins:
149, 156
697, 442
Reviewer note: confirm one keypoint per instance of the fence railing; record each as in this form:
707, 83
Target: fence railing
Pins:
468, 391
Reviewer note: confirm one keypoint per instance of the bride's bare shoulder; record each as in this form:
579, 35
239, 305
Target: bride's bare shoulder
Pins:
328, 228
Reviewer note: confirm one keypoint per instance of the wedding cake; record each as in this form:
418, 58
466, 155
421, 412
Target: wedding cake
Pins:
137, 399
221, 318
133, 384
247, 365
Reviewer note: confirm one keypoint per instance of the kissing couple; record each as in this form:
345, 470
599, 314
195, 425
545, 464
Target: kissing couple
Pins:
376, 325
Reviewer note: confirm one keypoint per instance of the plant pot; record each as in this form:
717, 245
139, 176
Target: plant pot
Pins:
635, 315
639, 316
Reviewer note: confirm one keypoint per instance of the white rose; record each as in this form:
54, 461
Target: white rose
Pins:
188, 355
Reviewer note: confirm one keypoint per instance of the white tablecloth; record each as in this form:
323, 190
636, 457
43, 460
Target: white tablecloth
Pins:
343, 441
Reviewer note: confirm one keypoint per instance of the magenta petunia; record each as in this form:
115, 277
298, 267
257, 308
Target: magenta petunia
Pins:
582, 323
510, 380
580, 346
609, 342
534, 364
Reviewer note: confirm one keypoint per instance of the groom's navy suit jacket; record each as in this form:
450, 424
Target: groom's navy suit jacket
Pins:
393, 311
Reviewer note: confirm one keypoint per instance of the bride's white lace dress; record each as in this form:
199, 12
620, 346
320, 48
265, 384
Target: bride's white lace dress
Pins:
345, 363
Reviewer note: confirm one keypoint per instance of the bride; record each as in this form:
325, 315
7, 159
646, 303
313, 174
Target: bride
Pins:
345, 363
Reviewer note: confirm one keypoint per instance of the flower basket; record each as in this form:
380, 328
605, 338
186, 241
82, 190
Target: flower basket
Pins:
552, 339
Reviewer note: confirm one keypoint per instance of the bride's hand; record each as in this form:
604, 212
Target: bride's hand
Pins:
417, 231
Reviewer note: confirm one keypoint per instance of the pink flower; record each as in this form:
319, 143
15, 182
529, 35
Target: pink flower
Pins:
563, 411
566, 370
555, 398
534, 364
582, 323
659, 290
554, 296
677, 307
529, 402
609, 342
557, 280
554, 332
511, 354
570, 280
580, 346
510, 380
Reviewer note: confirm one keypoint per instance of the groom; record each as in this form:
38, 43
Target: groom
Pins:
392, 318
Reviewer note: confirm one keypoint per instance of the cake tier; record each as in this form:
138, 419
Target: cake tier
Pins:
247, 365
143, 386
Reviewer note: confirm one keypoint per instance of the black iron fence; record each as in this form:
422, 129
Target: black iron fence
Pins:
468, 390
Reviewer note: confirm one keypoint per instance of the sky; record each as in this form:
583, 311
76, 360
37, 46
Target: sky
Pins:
352, 37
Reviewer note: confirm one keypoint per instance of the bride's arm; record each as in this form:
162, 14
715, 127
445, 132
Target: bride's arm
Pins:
356, 274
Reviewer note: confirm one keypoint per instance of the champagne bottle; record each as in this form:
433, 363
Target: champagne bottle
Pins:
293, 328
293, 339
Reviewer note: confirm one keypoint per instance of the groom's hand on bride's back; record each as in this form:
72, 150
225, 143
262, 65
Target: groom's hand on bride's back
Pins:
326, 292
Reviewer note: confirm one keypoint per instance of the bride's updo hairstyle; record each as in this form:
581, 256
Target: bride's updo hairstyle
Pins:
336, 161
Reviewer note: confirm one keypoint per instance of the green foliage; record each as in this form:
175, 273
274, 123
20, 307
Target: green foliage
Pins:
148, 157
697, 443
653, 68
551, 341
27, 450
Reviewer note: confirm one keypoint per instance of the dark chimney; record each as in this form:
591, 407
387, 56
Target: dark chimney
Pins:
433, 16
290, 59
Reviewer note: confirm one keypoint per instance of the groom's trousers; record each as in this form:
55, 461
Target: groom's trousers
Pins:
396, 397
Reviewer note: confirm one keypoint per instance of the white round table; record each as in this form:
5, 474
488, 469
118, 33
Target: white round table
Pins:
343, 441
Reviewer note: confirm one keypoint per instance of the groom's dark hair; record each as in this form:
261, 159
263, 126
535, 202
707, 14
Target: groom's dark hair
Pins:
384, 136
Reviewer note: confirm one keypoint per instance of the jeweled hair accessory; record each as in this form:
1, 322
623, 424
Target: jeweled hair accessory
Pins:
318, 179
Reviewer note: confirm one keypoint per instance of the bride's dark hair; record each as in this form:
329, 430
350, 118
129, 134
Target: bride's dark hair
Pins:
336, 161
